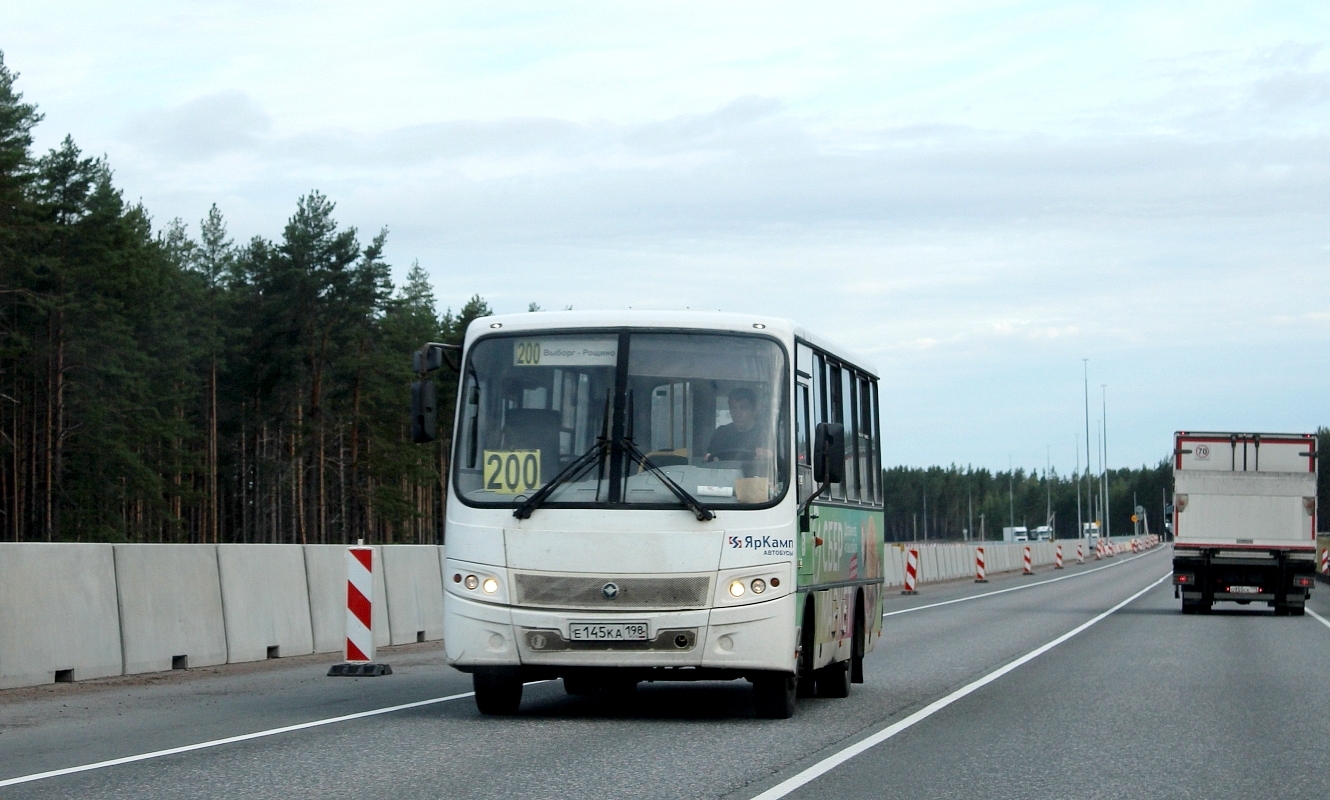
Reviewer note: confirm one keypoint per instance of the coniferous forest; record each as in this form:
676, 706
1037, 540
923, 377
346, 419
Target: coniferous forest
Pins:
162, 385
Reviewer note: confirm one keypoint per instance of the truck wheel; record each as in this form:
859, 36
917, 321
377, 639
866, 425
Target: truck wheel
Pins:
1281, 610
498, 692
773, 695
833, 680
1189, 607
1297, 611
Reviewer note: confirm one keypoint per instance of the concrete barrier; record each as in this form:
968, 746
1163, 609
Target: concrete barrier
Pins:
415, 592
58, 619
77, 611
170, 601
325, 571
946, 561
265, 601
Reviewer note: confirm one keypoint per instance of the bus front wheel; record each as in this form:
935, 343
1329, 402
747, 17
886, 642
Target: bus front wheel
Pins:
833, 680
773, 695
498, 691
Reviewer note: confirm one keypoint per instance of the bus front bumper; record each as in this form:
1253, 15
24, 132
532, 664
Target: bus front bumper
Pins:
753, 637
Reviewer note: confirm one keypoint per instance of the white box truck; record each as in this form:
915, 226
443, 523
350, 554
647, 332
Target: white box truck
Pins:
1244, 519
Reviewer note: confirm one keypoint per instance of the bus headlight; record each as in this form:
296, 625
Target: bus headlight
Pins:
736, 588
471, 582
490, 586
759, 586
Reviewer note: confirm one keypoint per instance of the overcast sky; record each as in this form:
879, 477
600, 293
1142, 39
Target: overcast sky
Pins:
974, 195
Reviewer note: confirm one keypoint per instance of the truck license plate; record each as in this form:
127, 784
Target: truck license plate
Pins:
607, 632
1244, 590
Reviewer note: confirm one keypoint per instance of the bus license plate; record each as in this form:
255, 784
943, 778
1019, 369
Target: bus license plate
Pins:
607, 632
1244, 590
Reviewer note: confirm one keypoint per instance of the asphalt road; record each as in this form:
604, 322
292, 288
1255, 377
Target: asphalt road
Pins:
1141, 702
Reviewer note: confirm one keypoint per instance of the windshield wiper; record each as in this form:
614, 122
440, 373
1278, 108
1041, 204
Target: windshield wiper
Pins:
574, 470
569, 473
694, 505
597, 455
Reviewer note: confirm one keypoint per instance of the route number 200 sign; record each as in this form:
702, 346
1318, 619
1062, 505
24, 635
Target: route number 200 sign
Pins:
512, 471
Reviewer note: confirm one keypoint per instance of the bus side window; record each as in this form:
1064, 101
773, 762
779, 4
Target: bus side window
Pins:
819, 409
850, 397
835, 411
803, 458
803, 360
868, 481
877, 446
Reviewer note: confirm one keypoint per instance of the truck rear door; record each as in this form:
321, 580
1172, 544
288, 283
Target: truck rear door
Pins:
1245, 489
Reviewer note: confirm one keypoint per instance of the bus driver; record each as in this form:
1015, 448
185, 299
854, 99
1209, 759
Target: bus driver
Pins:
741, 439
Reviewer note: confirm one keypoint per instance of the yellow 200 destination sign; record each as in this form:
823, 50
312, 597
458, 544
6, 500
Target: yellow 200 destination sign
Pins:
512, 471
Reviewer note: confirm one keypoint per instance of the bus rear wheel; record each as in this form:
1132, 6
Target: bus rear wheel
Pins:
773, 695
833, 680
498, 692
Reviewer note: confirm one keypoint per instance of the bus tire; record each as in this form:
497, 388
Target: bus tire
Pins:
807, 679
579, 685
620, 688
774, 694
498, 692
833, 680
860, 642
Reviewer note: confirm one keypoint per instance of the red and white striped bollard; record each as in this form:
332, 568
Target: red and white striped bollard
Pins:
979, 574
1325, 561
359, 649
1028, 569
911, 571
1057, 558
1080, 553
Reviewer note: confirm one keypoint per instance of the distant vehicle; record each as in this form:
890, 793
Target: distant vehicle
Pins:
1020, 533
658, 496
1043, 533
1244, 519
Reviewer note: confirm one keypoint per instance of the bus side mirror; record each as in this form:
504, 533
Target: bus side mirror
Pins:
829, 452
424, 412
435, 355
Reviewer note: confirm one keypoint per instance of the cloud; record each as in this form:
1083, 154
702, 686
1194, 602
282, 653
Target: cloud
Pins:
202, 128
1162, 216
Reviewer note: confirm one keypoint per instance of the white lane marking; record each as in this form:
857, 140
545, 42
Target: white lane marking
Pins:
836, 759
55, 773
1319, 618
1015, 588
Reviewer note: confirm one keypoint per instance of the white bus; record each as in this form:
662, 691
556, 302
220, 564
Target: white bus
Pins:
658, 496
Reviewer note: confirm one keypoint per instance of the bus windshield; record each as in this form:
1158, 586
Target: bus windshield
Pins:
709, 410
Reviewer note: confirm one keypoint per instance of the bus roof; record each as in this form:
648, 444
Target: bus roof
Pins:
688, 320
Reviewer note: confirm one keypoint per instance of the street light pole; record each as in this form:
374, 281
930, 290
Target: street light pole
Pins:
1085, 364
1108, 520
1048, 490
969, 505
1011, 497
1080, 522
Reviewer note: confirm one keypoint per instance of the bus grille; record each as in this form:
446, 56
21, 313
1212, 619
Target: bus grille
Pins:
588, 591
